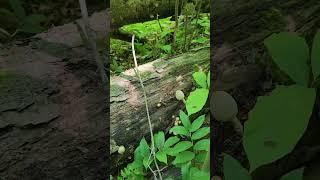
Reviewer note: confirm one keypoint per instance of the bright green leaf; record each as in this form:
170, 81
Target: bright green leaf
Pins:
196, 100
200, 78
233, 170
183, 157
201, 156
208, 79
161, 156
171, 141
196, 173
202, 145
147, 160
185, 120
196, 124
181, 146
159, 139
179, 130
315, 56
200, 133
291, 53
276, 123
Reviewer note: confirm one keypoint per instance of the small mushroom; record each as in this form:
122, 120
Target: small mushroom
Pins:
225, 109
180, 96
121, 149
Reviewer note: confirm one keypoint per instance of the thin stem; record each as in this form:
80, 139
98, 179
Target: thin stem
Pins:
136, 70
91, 38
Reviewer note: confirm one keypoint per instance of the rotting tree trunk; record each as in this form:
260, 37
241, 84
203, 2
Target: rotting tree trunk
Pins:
161, 78
132, 11
240, 27
125, 12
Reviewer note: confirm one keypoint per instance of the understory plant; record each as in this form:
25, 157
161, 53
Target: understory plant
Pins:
186, 148
278, 120
25, 23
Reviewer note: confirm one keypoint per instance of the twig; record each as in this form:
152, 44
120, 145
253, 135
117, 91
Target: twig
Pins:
136, 70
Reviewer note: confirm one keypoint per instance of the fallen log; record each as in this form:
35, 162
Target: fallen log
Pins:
162, 77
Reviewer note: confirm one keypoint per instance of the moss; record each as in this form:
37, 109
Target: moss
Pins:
160, 64
116, 90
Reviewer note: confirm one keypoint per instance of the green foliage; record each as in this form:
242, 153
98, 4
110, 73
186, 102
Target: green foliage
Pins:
157, 42
234, 171
26, 23
266, 131
266, 134
291, 54
186, 149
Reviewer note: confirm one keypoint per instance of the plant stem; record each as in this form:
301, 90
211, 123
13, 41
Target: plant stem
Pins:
91, 38
136, 70
177, 24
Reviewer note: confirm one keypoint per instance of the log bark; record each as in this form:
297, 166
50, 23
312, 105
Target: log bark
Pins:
240, 28
162, 77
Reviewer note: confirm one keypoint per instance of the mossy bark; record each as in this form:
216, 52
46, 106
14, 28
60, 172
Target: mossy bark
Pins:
132, 11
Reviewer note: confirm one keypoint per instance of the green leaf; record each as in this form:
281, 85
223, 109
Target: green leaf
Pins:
208, 79
142, 150
315, 56
291, 53
276, 123
169, 178
200, 78
196, 173
196, 124
200, 157
159, 139
147, 160
181, 146
17, 8
200, 133
179, 130
35, 19
185, 170
202, 145
233, 170
294, 175
183, 157
185, 120
166, 48
161, 156
196, 100
171, 141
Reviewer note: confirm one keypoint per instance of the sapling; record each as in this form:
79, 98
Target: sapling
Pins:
225, 109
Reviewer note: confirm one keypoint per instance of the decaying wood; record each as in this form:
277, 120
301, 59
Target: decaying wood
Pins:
161, 78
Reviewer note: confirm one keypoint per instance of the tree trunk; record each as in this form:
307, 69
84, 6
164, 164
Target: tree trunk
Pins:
162, 77
127, 12
239, 28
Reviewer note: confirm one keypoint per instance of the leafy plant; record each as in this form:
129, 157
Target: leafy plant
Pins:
186, 149
266, 134
26, 23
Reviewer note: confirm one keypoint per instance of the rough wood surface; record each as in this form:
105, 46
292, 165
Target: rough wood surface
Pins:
162, 77
52, 108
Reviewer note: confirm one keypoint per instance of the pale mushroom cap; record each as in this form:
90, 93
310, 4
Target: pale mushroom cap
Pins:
223, 107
